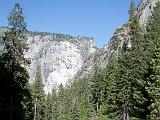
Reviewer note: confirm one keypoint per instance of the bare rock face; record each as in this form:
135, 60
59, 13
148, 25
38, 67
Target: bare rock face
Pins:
58, 58
101, 57
145, 9
120, 37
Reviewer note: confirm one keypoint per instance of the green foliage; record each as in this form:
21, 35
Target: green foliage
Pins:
153, 83
60, 37
154, 86
61, 98
69, 103
48, 107
16, 18
75, 111
132, 10
127, 98
127, 89
38, 96
96, 89
82, 95
17, 101
122, 102
55, 105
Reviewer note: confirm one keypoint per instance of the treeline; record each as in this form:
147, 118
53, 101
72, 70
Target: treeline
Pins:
64, 103
59, 36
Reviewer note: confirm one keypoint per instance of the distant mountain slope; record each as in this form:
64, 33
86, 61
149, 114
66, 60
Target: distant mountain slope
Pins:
101, 57
59, 56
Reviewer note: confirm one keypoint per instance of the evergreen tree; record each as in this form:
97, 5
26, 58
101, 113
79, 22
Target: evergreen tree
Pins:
55, 105
109, 89
61, 102
17, 101
96, 86
132, 10
140, 57
48, 107
154, 86
68, 103
16, 18
123, 99
38, 96
78, 95
129, 88
86, 107
75, 111
96, 92
153, 31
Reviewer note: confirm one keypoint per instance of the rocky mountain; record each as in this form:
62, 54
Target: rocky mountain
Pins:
64, 57
120, 36
144, 11
59, 56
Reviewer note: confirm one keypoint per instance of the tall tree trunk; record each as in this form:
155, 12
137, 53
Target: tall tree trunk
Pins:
124, 116
35, 109
127, 116
97, 106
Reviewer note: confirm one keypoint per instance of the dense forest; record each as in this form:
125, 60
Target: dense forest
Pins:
127, 89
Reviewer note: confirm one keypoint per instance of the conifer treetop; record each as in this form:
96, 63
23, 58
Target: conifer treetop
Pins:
132, 10
16, 18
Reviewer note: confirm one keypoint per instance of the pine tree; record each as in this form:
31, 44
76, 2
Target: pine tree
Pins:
38, 96
123, 99
48, 107
96, 86
109, 89
16, 18
132, 10
96, 90
140, 58
68, 104
154, 86
18, 99
130, 97
61, 102
86, 107
55, 105
153, 83
75, 111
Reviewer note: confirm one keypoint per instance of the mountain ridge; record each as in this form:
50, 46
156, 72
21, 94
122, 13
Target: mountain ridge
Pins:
120, 36
59, 56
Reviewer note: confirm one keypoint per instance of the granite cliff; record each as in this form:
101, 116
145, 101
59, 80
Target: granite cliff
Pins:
101, 57
59, 56
63, 57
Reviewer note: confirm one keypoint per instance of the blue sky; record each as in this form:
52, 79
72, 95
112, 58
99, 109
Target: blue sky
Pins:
93, 18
